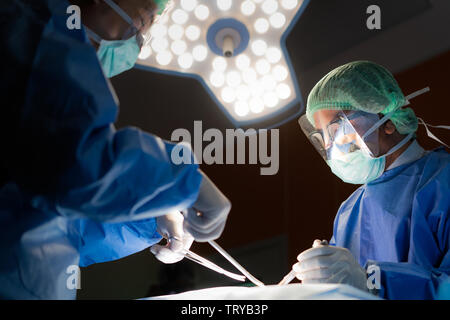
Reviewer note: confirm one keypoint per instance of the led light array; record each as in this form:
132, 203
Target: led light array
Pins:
250, 85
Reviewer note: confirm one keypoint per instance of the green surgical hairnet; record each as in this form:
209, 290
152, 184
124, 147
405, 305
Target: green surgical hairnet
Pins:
362, 85
161, 5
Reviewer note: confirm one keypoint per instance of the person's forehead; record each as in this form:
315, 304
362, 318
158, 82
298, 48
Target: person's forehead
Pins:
138, 4
141, 11
325, 116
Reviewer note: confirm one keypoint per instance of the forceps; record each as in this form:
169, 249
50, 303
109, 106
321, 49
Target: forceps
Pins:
205, 262
208, 264
236, 264
196, 258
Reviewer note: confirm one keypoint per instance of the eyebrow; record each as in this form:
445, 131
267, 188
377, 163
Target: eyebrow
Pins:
336, 116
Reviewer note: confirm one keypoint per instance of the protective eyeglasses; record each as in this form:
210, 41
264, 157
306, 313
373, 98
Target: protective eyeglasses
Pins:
346, 132
132, 30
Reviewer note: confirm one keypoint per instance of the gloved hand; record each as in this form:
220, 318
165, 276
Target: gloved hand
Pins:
170, 227
328, 264
206, 219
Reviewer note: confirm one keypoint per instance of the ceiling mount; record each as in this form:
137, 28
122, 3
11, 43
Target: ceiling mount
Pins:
227, 37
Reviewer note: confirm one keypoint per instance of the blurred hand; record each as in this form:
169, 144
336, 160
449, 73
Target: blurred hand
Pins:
208, 215
170, 227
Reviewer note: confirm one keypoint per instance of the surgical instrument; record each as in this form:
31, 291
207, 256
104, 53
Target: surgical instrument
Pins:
208, 264
204, 262
236, 264
291, 275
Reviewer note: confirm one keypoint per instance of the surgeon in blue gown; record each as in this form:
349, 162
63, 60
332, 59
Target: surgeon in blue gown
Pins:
74, 190
392, 235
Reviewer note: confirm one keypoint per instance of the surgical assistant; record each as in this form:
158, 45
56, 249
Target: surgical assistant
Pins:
74, 190
397, 223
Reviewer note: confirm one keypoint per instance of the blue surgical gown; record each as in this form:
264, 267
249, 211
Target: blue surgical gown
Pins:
400, 223
74, 190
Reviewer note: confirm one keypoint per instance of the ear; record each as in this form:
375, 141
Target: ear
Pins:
389, 127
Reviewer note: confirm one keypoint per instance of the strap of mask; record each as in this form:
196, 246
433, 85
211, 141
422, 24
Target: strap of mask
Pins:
430, 134
389, 115
378, 124
415, 94
119, 11
401, 144
426, 125
91, 34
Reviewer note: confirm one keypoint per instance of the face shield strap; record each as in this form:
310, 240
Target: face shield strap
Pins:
399, 145
120, 12
94, 36
389, 115
426, 125
378, 124
430, 134
91, 34
415, 94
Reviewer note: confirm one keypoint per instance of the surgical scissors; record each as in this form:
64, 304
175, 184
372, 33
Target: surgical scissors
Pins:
208, 264
236, 264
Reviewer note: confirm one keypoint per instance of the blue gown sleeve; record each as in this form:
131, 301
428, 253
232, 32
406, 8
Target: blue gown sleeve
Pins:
102, 242
428, 265
405, 281
70, 156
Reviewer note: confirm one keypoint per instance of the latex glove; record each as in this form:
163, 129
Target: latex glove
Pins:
207, 217
328, 264
170, 227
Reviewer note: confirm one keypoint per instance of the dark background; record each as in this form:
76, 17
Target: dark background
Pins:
298, 204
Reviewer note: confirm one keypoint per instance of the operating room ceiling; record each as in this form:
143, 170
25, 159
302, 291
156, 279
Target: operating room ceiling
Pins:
329, 27
161, 103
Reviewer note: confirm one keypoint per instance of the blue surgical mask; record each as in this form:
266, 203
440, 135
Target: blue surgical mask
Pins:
117, 56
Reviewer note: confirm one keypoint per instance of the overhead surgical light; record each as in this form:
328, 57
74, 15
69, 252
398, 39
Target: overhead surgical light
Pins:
236, 49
